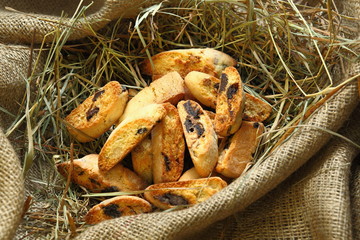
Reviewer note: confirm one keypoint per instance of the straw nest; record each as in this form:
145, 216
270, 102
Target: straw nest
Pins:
286, 54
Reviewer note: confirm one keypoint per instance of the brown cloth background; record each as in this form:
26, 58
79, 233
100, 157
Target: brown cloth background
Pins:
307, 188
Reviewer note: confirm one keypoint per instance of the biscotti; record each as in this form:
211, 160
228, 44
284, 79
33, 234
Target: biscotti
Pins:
168, 147
183, 61
230, 103
128, 134
256, 110
200, 136
97, 113
189, 175
203, 87
142, 159
190, 192
239, 149
87, 174
169, 88
116, 207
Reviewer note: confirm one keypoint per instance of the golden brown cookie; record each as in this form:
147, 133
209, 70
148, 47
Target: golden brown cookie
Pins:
190, 192
183, 61
239, 149
256, 110
142, 159
168, 147
189, 175
117, 207
203, 87
230, 103
200, 136
87, 174
97, 113
169, 88
128, 134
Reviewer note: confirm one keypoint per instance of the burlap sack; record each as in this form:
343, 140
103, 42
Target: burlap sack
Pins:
20, 19
26, 22
314, 202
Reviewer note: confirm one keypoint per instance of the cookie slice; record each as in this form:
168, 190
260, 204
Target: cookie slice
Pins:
169, 88
190, 192
168, 147
117, 207
142, 159
97, 113
239, 149
87, 174
230, 103
256, 110
200, 136
203, 87
189, 175
128, 134
183, 61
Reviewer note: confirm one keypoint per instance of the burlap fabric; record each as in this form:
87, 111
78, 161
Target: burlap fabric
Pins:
24, 22
280, 198
20, 19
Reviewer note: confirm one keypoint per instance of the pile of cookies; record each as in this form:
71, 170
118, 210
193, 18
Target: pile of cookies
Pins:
196, 102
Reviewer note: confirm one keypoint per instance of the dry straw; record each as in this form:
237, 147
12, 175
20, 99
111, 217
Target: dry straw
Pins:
285, 51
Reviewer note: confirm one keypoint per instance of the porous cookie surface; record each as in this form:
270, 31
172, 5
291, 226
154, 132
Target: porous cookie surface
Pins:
230, 102
169, 88
183, 61
168, 147
116, 207
239, 149
189, 175
87, 174
128, 134
203, 87
142, 159
97, 113
200, 136
189, 192
256, 110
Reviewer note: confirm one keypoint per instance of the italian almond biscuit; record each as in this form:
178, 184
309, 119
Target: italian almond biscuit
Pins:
230, 103
200, 136
183, 61
128, 134
189, 192
239, 149
169, 88
117, 207
203, 87
168, 147
97, 113
256, 110
189, 175
87, 174
142, 159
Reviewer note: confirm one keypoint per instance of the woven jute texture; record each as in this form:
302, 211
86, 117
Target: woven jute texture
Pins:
20, 20
355, 197
23, 23
306, 189
11, 189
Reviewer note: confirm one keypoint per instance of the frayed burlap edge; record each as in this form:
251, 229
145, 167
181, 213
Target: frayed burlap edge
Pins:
20, 27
